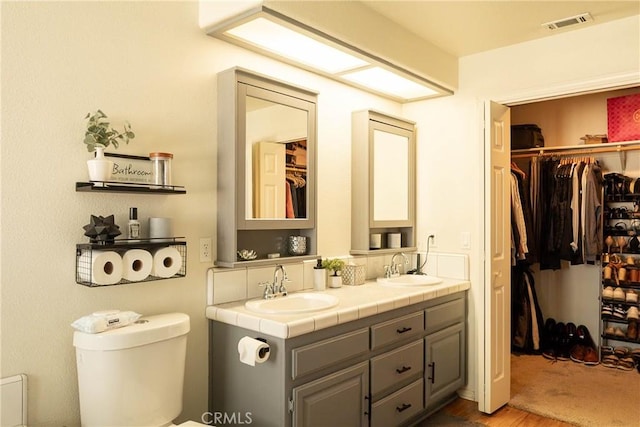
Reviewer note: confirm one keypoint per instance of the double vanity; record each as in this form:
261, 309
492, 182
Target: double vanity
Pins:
380, 354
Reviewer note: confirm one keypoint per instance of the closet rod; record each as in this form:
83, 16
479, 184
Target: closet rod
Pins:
573, 150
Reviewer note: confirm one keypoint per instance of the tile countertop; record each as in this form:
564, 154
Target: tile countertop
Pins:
356, 302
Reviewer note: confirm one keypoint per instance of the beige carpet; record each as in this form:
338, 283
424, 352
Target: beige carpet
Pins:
574, 393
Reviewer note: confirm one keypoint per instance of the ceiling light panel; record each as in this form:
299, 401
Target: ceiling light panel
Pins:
273, 34
385, 81
296, 46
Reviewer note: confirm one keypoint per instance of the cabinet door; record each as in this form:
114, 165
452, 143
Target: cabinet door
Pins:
339, 399
444, 363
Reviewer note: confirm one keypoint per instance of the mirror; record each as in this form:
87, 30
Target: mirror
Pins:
390, 176
276, 160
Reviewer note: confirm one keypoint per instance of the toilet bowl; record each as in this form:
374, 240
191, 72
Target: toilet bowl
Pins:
134, 375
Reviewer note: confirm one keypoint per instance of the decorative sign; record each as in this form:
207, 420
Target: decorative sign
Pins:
131, 169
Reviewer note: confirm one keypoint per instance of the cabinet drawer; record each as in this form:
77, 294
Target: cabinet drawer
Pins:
398, 407
397, 329
442, 315
395, 366
319, 355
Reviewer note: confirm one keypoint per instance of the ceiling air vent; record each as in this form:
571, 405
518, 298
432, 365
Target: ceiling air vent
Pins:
566, 22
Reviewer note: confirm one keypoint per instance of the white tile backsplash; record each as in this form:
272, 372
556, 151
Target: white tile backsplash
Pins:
228, 285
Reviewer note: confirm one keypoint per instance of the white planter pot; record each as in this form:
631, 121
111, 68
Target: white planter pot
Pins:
99, 168
335, 281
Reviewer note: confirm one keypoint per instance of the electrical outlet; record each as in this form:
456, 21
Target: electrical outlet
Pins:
205, 249
432, 242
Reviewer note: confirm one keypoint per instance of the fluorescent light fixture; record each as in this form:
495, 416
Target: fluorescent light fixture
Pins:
296, 46
388, 82
270, 33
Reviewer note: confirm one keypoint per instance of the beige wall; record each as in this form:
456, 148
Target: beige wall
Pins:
150, 63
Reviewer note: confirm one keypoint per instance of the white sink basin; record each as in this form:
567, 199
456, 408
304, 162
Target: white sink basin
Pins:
409, 280
293, 303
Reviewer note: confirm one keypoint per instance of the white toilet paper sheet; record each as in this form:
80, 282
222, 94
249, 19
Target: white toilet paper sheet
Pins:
167, 262
136, 265
104, 267
252, 351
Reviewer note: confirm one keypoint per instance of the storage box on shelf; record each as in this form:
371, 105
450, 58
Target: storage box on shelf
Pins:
85, 273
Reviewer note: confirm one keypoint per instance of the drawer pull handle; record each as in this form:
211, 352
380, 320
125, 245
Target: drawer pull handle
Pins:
403, 369
433, 372
403, 330
404, 407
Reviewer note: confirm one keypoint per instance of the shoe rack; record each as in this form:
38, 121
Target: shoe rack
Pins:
620, 291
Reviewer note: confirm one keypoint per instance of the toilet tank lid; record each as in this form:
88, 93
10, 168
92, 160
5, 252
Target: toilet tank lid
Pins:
145, 330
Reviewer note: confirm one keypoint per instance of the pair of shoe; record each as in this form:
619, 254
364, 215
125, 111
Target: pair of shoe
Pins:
618, 294
632, 313
615, 332
617, 311
619, 357
583, 349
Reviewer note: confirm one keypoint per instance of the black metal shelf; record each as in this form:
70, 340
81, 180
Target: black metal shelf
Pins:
617, 338
122, 187
84, 274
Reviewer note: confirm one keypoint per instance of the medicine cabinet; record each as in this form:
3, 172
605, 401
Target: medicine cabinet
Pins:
383, 181
266, 168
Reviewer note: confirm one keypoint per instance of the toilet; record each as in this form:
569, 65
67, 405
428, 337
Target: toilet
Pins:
134, 375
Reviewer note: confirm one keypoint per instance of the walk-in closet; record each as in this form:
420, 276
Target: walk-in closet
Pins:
575, 216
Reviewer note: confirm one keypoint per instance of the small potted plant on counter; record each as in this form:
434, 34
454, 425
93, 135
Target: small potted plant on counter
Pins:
98, 136
335, 265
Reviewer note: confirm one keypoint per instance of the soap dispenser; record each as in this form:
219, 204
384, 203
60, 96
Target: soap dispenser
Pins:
319, 277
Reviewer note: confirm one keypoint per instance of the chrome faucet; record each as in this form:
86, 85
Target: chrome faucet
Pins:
272, 290
393, 270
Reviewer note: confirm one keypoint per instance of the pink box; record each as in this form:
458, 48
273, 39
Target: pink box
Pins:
623, 118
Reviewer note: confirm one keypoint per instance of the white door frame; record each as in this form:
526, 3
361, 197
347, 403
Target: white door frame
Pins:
603, 83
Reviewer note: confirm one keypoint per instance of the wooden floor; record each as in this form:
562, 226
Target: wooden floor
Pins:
504, 417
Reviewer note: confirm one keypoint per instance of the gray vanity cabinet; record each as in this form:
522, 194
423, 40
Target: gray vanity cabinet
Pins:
337, 399
445, 363
376, 371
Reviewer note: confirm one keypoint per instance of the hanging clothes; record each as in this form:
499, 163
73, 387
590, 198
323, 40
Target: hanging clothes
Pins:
527, 321
568, 210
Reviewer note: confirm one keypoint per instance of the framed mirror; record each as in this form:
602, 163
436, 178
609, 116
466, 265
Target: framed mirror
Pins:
383, 196
276, 133
266, 168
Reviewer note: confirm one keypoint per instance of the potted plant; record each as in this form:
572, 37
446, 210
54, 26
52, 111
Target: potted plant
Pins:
98, 136
335, 265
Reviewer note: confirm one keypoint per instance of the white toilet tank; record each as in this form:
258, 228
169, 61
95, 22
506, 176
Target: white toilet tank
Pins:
134, 375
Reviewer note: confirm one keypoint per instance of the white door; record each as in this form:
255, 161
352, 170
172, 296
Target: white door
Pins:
269, 175
495, 365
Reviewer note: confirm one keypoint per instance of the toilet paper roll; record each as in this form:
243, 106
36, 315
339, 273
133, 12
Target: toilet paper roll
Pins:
160, 227
394, 240
166, 262
253, 351
136, 265
102, 267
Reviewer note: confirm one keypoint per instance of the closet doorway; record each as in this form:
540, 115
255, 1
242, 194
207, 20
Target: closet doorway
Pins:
570, 293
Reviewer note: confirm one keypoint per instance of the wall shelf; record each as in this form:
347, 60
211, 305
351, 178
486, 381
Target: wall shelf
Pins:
84, 254
123, 187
